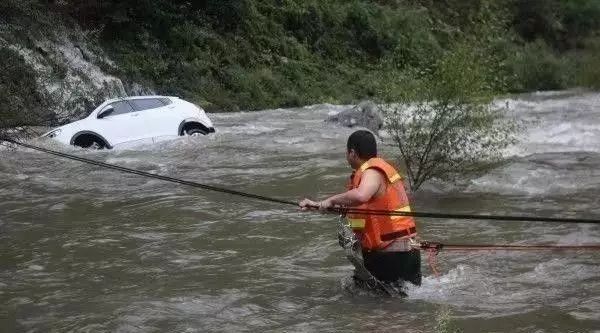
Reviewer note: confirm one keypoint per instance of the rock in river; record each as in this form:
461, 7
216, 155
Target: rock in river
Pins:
365, 114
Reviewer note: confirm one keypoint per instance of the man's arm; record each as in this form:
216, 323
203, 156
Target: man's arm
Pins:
369, 186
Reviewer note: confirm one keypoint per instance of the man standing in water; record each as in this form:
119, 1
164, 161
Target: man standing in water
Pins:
376, 185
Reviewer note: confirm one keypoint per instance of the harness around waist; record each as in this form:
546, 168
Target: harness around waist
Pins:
398, 234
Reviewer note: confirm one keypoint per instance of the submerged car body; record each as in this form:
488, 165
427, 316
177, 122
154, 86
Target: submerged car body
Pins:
117, 121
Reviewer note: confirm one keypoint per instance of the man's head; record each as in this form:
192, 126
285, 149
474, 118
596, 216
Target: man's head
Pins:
360, 148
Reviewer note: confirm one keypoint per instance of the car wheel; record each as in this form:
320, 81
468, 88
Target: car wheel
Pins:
195, 132
96, 145
89, 141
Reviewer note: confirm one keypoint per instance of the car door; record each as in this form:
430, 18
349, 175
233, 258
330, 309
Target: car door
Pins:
119, 125
156, 118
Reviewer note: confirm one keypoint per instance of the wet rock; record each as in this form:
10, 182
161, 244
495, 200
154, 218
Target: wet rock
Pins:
72, 72
366, 114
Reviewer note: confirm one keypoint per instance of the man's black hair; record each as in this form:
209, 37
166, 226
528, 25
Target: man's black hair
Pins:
364, 144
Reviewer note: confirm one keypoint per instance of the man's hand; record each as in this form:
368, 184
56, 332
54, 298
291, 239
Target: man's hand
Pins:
307, 204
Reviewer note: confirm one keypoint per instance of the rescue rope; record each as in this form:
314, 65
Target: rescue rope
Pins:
495, 247
432, 260
433, 249
337, 210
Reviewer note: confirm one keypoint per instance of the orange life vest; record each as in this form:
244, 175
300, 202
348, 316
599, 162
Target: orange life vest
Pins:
378, 231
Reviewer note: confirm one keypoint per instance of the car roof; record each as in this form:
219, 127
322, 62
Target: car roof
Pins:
129, 98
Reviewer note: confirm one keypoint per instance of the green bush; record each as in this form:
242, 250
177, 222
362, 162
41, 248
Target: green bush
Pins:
536, 67
447, 127
588, 65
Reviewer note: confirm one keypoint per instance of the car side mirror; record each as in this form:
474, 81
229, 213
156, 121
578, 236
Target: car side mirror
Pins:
106, 112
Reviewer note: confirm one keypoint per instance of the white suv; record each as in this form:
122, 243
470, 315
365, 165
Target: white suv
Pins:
134, 118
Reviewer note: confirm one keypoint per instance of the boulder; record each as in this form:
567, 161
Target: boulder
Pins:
365, 114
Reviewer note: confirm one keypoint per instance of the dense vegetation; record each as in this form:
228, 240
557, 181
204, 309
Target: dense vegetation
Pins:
253, 54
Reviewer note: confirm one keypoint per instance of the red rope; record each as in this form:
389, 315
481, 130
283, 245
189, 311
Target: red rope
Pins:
432, 260
492, 247
433, 249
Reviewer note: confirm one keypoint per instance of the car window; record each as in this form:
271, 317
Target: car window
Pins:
166, 101
120, 108
146, 104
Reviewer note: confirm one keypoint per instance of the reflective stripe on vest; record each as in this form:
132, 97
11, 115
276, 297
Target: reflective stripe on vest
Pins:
395, 178
405, 209
357, 224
